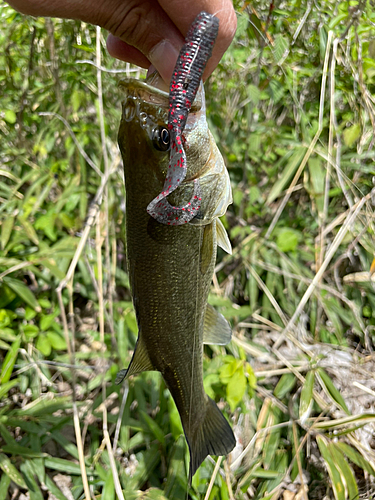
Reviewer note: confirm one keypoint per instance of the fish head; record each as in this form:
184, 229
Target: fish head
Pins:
144, 143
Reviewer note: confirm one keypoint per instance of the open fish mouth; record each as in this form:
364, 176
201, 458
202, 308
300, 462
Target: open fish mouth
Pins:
153, 90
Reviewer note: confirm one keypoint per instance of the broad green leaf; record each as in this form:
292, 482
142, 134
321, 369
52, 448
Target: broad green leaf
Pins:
23, 292
9, 469
56, 340
43, 344
9, 361
306, 399
46, 321
10, 116
331, 391
236, 388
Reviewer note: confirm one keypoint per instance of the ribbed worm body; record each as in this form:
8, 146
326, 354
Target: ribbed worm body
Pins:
185, 82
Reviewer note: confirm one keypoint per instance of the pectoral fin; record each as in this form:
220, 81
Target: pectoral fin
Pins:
216, 329
140, 362
222, 237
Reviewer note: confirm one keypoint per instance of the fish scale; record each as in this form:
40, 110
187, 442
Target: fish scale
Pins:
184, 85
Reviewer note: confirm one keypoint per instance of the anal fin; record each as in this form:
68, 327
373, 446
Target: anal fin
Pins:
140, 362
216, 329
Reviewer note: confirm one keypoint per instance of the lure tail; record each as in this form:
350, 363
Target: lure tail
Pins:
213, 437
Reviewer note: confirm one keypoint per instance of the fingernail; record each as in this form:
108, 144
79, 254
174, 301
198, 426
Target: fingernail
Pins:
164, 56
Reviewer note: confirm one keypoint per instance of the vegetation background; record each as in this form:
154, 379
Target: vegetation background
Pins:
292, 107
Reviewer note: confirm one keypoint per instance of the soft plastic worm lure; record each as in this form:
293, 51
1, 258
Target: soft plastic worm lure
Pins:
185, 82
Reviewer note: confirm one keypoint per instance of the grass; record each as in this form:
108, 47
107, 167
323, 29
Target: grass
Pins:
291, 108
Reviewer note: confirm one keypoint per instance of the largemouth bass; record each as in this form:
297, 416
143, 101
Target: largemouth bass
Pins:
171, 266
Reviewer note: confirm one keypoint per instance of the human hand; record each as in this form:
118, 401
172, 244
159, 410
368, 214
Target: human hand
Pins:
143, 32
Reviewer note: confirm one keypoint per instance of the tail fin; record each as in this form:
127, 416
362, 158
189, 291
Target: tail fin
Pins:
213, 437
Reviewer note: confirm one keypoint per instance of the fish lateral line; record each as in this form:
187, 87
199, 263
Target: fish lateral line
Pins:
184, 85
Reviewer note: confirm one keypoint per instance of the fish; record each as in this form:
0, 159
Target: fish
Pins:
171, 267
171, 256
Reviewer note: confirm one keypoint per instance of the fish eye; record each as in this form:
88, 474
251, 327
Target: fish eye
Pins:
160, 138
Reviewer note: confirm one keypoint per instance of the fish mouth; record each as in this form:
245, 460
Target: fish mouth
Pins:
153, 90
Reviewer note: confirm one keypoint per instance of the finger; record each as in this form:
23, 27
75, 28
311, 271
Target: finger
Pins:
144, 25
125, 52
183, 13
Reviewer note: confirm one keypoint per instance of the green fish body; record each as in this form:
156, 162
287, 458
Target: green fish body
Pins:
171, 267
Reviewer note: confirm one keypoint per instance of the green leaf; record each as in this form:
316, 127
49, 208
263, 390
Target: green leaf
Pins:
43, 344
285, 385
10, 116
108, 492
23, 292
154, 428
16, 449
53, 488
287, 240
56, 340
334, 474
44, 406
236, 387
63, 465
6, 230
281, 46
352, 134
46, 321
5, 387
32, 485
306, 399
4, 486
9, 361
355, 457
8, 468
253, 93
295, 159
331, 391
176, 484
346, 472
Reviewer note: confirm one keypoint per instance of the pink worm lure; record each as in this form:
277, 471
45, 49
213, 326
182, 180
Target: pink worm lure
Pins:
185, 82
